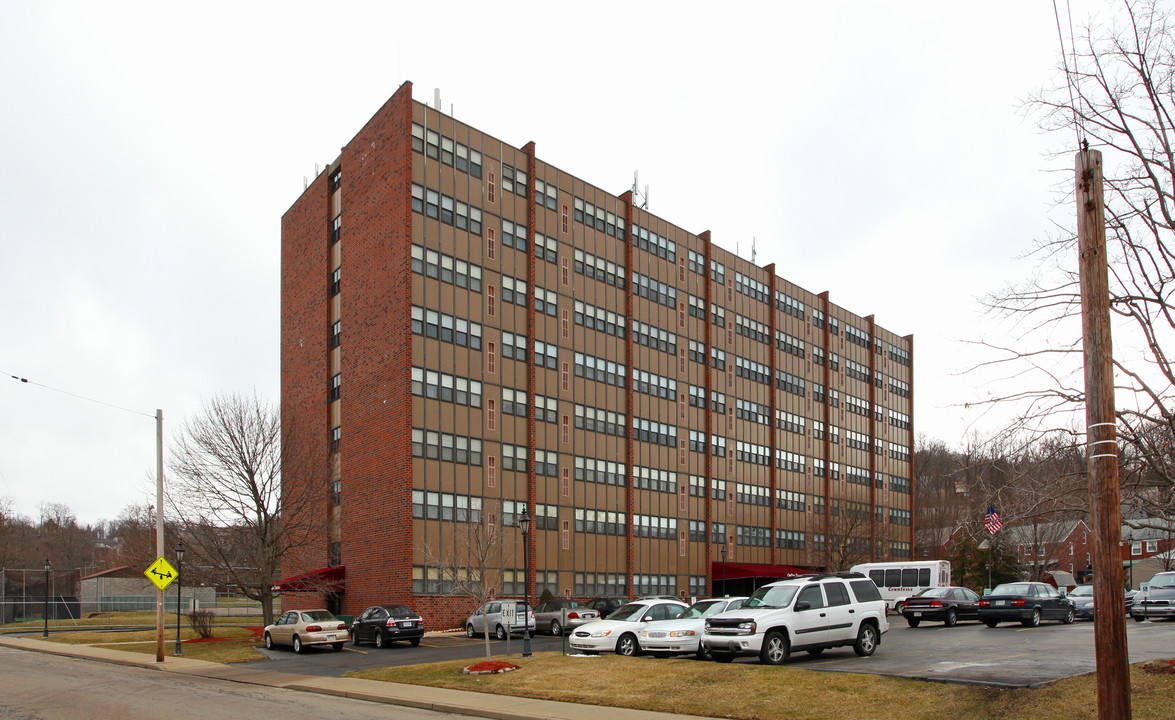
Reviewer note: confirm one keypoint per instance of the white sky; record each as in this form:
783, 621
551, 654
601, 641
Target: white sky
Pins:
152, 150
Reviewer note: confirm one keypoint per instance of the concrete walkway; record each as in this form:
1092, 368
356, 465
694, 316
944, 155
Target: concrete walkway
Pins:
504, 707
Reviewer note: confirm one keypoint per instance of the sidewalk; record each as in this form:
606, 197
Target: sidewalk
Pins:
503, 707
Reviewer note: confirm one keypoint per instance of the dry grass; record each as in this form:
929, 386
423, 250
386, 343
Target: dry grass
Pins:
125, 618
232, 644
755, 692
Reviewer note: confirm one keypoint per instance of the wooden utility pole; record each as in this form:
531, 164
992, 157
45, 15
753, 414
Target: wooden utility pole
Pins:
1113, 672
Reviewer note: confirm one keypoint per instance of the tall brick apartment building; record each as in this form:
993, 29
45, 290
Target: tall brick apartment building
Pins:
467, 331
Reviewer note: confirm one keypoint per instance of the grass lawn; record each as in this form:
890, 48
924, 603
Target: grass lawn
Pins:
755, 692
146, 617
229, 644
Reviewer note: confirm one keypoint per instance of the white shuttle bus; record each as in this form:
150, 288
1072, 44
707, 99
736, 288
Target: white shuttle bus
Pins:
899, 580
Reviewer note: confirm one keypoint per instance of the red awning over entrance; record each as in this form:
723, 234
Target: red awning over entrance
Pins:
734, 571
327, 579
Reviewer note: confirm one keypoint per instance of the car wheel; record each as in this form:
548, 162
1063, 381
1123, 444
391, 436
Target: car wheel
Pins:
913, 622
1068, 619
775, 648
268, 642
379, 640
815, 652
500, 632
899, 607
469, 631
991, 623
556, 628
297, 644
721, 657
703, 653
627, 645
1033, 620
338, 647
1138, 618
866, 640
415, 642
952, 618
354, 639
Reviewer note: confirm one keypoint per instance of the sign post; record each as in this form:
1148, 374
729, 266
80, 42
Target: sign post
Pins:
509, 614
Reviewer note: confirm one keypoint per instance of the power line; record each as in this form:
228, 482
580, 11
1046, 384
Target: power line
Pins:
80, 397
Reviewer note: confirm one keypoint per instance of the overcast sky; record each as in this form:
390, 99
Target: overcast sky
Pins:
874, 150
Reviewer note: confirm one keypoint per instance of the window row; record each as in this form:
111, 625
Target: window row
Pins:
653, 337
753, 536
751, 287
647, 478
752, 329
789, 344
654, 244
605, 472
446, 328
655, 290
447, 150
651, 526
603, 522
788, 304
595, 318
749, 494
595, 419
446, 268
600, 219
653, 384
654, 432
444, 387
447, 209
446, 447
594, 368
446, 506
600, 269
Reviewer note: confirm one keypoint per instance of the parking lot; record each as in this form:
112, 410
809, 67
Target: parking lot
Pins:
1005, 656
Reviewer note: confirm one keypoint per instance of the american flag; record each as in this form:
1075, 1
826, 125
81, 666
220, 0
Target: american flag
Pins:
992, 522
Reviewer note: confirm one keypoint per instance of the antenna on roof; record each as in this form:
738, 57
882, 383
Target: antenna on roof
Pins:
305, 183
642, 198
752, 249
436, 99
315, 169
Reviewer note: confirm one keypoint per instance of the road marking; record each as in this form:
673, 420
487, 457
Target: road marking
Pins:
940, 668
849, 659
352, 649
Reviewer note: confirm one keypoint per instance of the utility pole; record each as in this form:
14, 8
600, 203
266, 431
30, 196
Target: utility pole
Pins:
1113, 673
159, 529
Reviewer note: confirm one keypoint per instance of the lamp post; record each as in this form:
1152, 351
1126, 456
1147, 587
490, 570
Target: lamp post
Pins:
179, 593
48, 567
723, 567
524, 522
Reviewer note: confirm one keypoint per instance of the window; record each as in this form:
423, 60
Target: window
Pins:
336, 229
336, 333
336, 382
447, 328
446, 268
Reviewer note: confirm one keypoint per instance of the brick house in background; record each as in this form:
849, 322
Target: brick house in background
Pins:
471, 332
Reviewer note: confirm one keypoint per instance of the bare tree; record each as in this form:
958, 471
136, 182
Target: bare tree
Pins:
225, 488
1116, 90
70, 545
470, 566
847, 534
941, 495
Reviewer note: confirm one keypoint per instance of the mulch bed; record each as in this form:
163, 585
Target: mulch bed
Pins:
257, 633
1160, 667
489, 668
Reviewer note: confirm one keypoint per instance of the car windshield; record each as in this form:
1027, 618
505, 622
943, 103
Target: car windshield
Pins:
1012, 589
317, 615
1163, 581
703, 609
555, 604
1082, 591
628, 612
400, 611
771, 597
935, 592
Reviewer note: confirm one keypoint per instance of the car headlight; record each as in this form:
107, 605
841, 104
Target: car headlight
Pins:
682, 633
602, 633
747, 626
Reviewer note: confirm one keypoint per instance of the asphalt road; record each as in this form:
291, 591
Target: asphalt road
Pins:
38, 686
1008, 655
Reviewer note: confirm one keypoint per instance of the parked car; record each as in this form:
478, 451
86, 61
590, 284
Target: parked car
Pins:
492, 615
385, 624
658, 597
1156, 599
1028, 602
945, 604
618, 633
606, 605
684, 635
301, 629
808, 612
562, 614
1082, 597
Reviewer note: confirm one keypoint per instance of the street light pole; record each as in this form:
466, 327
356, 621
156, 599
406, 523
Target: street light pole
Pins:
524, 521
48, 567
723, 567
179, 593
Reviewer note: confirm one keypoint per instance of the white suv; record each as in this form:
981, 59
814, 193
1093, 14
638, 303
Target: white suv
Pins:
809, 612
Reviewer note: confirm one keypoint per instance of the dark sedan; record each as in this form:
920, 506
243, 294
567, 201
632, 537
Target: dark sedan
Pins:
1028, 602
606, 605
384, 624
942, 604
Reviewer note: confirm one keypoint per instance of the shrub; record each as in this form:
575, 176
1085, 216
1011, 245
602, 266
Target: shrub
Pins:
202, 622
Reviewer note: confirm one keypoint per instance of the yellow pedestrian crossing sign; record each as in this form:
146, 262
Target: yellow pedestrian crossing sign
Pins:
161, 573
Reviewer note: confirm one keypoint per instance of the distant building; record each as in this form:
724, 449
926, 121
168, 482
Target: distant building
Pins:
470, 331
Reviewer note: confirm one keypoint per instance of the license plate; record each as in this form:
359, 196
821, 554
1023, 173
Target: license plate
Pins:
917, 614
330, 637
407, 624
998, 602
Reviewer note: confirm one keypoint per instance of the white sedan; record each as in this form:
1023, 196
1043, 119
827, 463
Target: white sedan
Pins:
684, 634
618, 633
